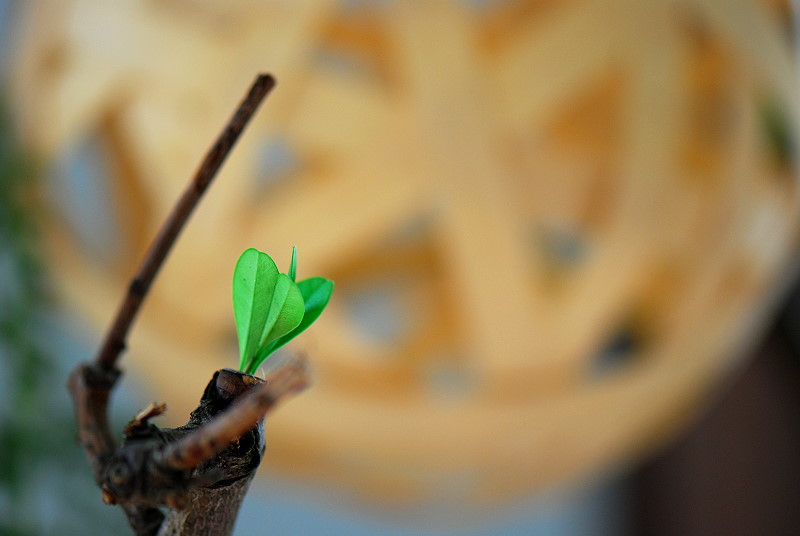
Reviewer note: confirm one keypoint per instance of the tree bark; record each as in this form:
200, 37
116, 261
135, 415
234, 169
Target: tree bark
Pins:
200, 471
211, 509
203, 500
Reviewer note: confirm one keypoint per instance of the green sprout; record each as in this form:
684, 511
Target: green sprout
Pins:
270, 308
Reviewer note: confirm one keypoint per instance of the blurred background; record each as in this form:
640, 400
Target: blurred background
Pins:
563, 233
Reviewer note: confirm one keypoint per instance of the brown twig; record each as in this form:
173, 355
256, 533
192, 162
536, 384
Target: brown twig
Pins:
115, 340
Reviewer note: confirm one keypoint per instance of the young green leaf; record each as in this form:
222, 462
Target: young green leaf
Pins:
285, 313
316, 293
254, 281
270, 308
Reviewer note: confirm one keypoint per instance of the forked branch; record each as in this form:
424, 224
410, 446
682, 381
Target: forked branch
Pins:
201, 470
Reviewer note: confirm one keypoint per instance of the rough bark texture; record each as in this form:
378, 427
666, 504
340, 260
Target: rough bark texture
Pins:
203, 501
212, 511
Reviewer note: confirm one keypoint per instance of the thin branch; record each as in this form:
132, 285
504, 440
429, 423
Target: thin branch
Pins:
210, 439
115, 340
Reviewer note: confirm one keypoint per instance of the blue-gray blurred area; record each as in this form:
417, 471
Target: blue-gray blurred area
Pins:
46, 486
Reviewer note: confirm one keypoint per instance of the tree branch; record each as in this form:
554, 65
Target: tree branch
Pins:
115, 340
90, 384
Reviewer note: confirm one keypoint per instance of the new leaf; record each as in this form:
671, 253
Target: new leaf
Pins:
266, 305
270, 309
316, 293
253, 285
